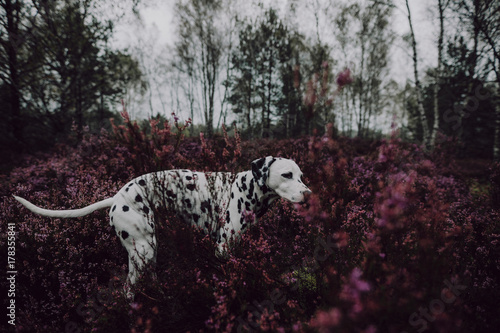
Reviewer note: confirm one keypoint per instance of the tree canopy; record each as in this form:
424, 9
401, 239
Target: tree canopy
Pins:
57, 70
271, 70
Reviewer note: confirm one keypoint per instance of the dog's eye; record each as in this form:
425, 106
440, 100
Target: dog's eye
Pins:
287, 175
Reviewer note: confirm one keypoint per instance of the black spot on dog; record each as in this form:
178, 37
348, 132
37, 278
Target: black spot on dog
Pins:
228, 220
250, 190
188, 203
239, 205
224, 235
264, 178
189, 177
264, 206
113, 209
125, 208
206, 206
142, 182
232, 195
112, 220
124, 234
171, 194
247, 205
138, 198
196, 217
260, 163
145, 209
243, 226
191, 187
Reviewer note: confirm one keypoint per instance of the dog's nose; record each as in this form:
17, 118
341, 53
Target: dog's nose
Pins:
306, 192
305, 195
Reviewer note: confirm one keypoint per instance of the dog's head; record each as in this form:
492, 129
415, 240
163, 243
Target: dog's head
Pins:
281, 175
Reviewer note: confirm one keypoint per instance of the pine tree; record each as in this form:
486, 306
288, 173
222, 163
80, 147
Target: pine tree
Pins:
262, 65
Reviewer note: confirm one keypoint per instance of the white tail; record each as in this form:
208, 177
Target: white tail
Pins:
66, 213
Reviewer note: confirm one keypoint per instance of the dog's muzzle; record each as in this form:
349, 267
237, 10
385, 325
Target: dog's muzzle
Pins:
305, 195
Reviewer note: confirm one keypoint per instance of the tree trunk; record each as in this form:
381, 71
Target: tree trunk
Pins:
418, 87
362, 105
12, 13
267, 117
496, 145
249, 107
437, 83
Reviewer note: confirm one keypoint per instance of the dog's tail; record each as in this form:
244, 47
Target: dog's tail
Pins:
66, 213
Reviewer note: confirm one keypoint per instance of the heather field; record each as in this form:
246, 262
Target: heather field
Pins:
393, 239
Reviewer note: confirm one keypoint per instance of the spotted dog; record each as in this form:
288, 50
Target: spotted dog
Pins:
216, 202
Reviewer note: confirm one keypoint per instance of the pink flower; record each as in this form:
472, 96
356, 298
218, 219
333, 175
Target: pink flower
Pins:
344, 78
325, 320
354, 280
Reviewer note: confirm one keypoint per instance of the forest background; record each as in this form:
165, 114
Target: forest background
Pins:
268, 67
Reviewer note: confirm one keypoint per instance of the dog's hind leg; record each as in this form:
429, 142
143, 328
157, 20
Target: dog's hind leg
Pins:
138, 238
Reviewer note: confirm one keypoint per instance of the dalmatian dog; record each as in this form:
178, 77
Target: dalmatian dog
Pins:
219, 203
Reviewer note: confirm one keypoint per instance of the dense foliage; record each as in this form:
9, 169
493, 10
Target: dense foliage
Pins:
56, 68
393, 239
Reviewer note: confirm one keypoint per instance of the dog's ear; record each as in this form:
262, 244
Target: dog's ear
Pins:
260, 170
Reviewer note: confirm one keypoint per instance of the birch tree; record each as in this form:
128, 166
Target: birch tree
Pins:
199, 50
364, 34
441, 5
418, 86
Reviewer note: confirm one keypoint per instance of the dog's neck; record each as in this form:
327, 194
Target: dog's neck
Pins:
253, 199
263, 195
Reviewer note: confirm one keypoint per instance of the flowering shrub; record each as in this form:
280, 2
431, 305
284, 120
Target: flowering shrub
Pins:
389, 241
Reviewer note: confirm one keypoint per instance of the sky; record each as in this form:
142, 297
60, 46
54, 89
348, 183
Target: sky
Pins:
159, 16
157, 30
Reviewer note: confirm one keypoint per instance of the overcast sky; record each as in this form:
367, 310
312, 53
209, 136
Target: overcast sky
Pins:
157, 25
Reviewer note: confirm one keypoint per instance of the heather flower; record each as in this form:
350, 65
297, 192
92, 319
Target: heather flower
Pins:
392, 204
176, 119
352, 290
325, 321
384, 227
344, 78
